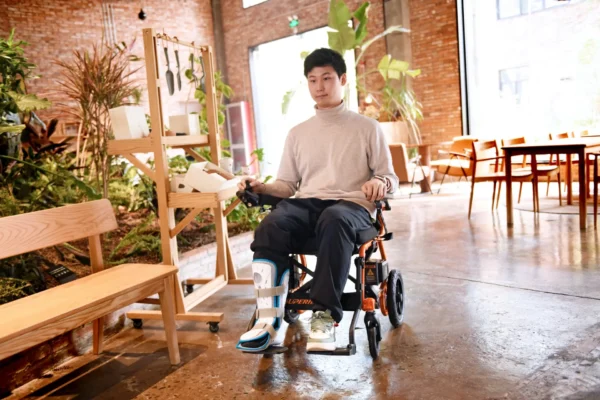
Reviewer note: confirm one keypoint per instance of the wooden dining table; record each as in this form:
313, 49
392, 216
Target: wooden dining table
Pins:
579, 146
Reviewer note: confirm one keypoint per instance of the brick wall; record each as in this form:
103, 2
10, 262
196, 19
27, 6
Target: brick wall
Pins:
434, 42
55, 28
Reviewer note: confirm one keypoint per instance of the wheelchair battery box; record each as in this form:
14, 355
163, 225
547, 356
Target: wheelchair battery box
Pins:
376, 271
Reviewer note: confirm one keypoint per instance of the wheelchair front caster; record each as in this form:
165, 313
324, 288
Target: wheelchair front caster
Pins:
373, 334
395, 298
137, 323
213, 327
291, 316
189, 289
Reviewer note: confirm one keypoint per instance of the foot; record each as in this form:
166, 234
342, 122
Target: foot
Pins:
322, 332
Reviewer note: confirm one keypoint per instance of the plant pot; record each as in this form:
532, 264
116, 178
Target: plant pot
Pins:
129, 122
188, 124
396, 132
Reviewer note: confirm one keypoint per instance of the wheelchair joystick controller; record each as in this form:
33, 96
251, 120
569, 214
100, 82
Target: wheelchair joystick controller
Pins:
248, 197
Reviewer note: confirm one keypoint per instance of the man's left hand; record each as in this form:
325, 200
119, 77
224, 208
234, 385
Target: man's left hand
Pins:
374, 189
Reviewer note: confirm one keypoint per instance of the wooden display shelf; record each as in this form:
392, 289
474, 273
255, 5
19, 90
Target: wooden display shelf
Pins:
176, 141
129, 146
200, 200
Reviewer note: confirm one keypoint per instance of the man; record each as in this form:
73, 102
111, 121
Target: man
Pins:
336, 164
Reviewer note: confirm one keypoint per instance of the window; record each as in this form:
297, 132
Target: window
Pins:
250, 3
513, 83
512, 8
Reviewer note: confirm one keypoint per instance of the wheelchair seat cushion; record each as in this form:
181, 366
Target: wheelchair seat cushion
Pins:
311, 246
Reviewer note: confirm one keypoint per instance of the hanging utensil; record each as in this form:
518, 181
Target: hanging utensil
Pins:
169, 75
178, 66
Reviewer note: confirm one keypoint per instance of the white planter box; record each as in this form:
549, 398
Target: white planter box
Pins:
188, 124
178, 184
206, 182
129, 122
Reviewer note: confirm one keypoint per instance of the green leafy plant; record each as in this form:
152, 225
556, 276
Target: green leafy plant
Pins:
143, 239
97, 81
396, 101
16, 105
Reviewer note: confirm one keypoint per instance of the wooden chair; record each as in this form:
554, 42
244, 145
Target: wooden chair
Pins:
408, 170
35, 319
485, 167
458, 162
541, 170
593, 157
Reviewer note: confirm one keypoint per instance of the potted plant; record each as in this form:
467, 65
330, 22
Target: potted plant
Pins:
16, 105
395, 105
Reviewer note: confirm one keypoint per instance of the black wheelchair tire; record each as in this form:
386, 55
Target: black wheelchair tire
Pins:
395, 298
291, 316
373, 342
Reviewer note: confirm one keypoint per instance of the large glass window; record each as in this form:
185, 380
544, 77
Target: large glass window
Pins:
535, 74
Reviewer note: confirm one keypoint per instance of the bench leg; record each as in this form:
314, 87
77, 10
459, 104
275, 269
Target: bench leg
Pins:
167, 307
98, 339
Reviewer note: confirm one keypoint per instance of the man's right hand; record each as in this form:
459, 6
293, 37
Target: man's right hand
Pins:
256, 185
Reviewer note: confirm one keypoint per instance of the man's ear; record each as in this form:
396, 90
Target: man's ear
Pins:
343, 79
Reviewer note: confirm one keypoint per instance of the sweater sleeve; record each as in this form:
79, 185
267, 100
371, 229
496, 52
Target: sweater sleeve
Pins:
288, 174
380, 158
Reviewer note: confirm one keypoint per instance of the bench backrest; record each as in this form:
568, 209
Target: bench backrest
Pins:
33, 231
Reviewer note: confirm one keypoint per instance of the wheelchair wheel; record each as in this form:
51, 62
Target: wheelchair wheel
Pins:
373, 343
373, 334
395, 298
291, 316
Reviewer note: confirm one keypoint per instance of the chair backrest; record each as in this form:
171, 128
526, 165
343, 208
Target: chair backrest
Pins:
33, 231
511, 142
556, 136
400, 161
460, 143
487, 151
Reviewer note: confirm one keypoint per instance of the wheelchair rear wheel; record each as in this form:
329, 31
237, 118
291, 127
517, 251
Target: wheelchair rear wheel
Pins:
395, 298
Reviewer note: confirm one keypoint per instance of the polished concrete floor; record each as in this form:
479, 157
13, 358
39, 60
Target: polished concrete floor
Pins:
491, 313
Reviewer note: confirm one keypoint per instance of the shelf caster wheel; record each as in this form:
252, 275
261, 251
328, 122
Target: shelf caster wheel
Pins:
213, 327
137, 323
189, 289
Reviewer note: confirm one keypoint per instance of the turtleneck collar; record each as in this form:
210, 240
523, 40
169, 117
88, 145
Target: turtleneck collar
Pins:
331, 114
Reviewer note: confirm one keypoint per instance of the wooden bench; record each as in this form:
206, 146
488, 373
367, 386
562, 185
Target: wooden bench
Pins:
32, 320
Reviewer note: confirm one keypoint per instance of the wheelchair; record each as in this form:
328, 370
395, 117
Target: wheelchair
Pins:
376, 286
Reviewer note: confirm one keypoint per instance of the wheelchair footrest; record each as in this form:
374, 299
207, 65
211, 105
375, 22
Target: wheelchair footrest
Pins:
269, 351
349, 350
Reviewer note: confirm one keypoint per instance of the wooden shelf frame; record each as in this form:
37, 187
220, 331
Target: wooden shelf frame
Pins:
168, 201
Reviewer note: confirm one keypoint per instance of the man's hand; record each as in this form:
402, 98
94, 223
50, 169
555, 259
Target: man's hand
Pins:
256, 185
374, 189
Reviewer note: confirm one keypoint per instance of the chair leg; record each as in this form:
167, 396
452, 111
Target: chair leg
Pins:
494, 196
98, 335
595, 192
548, 187
498, 196
471, 199
559, 192
536, 195
167, 308
520, 191
444, 177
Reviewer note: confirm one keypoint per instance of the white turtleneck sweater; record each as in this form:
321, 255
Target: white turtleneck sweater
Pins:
332, 155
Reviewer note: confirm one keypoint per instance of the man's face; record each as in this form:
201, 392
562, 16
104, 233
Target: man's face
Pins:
326, 88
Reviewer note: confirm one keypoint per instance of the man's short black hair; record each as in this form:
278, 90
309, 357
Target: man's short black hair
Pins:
325, 57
